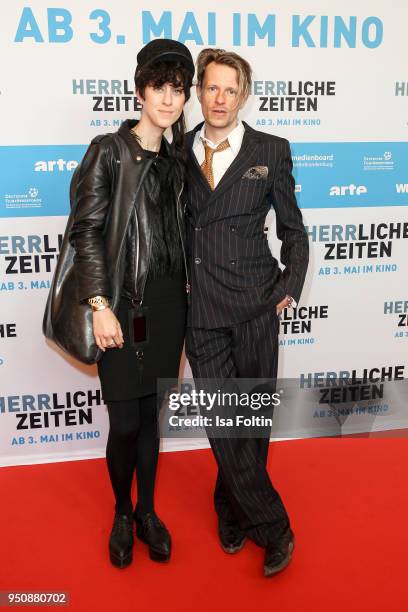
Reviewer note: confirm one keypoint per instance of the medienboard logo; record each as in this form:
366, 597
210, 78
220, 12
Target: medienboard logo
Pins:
313, 161
57, 165
348, 190
378, 162
30, 199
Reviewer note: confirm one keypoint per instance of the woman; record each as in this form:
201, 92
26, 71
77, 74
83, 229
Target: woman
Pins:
130, 260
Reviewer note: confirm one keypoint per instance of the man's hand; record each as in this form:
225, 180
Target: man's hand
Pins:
283, 304
106, 329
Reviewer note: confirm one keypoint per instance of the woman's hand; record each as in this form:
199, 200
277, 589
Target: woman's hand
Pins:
106, 329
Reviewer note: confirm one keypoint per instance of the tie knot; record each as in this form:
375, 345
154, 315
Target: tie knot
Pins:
209, 151
207, 163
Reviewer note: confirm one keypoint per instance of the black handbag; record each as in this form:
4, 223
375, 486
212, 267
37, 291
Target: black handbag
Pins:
67, 321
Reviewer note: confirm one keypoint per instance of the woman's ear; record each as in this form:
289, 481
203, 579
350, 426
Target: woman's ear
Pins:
139, 96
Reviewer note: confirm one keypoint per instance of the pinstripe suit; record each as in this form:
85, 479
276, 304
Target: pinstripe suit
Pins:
235, 286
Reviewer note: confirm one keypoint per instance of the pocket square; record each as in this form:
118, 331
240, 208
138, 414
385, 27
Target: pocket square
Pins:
256, 173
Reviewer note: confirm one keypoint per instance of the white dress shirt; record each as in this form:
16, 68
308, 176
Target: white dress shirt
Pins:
222, 159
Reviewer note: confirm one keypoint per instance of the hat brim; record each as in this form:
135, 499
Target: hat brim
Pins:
173, 56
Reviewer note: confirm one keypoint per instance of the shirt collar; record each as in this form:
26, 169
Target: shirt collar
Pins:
234, 137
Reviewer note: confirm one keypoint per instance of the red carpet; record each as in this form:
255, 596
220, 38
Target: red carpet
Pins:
347, 499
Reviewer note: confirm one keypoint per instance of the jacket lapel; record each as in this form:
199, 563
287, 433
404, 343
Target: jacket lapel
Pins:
241, 163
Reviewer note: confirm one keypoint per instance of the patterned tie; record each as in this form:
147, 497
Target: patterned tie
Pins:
206, 166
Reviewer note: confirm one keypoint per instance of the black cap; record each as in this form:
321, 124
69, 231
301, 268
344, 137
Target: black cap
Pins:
165, 50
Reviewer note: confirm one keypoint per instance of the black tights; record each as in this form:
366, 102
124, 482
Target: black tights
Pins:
133, 443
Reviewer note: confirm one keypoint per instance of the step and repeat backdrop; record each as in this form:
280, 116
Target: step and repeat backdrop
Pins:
330, 77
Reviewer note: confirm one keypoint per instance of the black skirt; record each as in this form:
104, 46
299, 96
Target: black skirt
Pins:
123, 376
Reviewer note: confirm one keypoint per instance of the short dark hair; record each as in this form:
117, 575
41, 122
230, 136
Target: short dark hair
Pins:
162, 72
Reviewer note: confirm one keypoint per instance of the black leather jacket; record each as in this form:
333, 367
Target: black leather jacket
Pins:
111, 232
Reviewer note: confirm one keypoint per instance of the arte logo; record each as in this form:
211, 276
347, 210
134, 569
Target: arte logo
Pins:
29, 199
59, 165
347, 190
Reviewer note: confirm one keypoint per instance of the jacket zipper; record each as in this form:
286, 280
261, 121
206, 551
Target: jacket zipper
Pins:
140, 302
188, 286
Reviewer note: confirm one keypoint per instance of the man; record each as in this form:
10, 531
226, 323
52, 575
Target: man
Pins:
237, 288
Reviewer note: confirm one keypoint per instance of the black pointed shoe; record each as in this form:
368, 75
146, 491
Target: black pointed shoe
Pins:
151, 531
232, 538
277, 555
121, 541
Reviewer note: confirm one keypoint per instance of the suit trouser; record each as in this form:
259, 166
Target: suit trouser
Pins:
244, 491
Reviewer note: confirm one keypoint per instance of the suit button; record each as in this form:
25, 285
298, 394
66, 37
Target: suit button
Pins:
232, 228
197, 260
233, 262
138, 158
198, 229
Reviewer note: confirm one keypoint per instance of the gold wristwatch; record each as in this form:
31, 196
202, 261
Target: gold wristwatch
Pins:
98, 303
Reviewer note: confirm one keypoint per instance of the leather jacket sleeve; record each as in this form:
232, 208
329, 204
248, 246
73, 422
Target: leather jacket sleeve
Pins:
92, 201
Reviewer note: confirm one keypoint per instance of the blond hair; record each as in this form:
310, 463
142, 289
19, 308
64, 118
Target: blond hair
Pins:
226, 58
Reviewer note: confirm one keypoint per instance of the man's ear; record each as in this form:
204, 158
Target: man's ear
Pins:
199, 92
